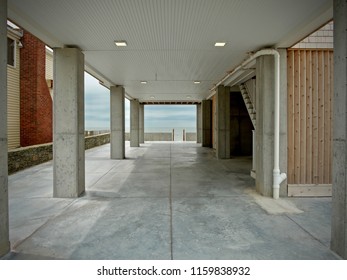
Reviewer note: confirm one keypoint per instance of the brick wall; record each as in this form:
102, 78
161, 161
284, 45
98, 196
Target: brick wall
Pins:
36, 102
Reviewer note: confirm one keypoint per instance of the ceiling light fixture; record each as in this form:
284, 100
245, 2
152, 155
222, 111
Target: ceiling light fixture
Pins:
151, 97
144, 82
197, 82
189, 97
120, 43
220, 44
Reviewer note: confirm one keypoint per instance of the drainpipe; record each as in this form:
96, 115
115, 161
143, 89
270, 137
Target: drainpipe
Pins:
278, 177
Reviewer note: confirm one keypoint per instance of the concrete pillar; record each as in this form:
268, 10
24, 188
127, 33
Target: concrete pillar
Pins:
142, 123
206, 123
339, 196
265, 123
198, 123
134, 123
68, 151
4, 227
283, 153
117, 101
254, 154
223, 122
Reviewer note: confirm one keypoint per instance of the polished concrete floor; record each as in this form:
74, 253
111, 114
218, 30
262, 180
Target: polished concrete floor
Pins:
164, 201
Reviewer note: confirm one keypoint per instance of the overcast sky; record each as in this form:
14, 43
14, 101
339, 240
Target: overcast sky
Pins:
157, 117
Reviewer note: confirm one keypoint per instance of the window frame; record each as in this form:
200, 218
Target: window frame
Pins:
14, 51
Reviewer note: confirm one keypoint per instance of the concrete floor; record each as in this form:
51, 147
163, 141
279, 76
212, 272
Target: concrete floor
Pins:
165, 201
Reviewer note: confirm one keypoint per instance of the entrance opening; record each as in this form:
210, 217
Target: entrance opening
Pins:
177, 121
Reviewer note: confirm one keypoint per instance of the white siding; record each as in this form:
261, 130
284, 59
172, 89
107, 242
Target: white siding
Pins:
13, 103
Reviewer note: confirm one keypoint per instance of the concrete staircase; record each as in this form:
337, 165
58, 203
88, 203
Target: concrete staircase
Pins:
248, 94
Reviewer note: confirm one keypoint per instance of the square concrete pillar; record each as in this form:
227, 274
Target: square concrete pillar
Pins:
68, 116
265, 100
283, 152
142, 123
339, 196
4, 227
265, 124
206, 123
198, 123
134, 123
223, 122
117, 101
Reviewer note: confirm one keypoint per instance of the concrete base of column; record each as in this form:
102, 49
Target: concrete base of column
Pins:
265, 124
206, 123
339, 196
141, 123
134, 123
223, 122
117, 102
4, 216
198, 123
4, 227
68, 148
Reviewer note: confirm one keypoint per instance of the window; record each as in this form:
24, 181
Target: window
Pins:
11, 51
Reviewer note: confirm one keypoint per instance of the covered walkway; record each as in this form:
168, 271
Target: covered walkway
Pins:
164, 201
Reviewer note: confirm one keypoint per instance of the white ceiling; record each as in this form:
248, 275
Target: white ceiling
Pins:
170, 42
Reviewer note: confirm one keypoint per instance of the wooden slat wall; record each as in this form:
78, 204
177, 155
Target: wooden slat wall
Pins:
310, 91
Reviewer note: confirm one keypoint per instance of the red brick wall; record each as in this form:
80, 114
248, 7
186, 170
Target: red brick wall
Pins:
35, 99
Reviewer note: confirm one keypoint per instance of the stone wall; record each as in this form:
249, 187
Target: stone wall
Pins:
21, 158
96, 140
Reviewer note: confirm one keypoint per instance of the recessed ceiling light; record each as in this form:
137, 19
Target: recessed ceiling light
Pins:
144, 82
197, 82
151, 97
219, 44
121, 43
189, 97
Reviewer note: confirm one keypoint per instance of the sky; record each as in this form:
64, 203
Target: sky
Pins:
158, 118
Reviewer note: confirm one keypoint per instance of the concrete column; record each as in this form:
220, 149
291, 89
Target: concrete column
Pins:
68, 151
117, 101
4, 227
339, 196
198, 123
206, 123
134, 123
283, 153
223, 122
254, 154
265, 123
142, 123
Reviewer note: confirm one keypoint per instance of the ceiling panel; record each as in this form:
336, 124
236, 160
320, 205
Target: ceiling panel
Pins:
170, 42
